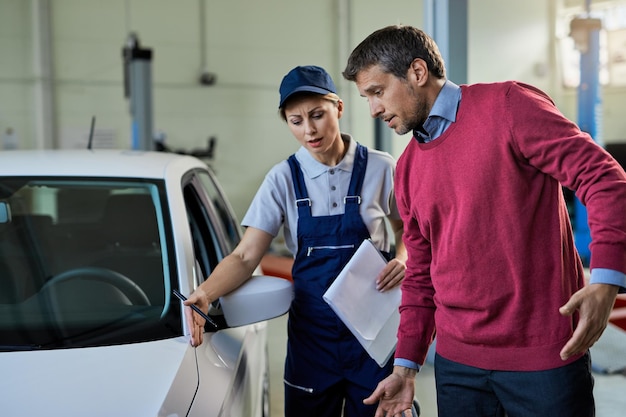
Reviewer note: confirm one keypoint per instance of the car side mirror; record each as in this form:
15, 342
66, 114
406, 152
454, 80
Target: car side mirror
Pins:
260, 298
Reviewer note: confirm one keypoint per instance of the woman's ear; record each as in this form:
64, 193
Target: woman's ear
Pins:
418, 71
339, 109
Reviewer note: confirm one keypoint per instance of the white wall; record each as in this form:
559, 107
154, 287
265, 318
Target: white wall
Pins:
508, 40
16, 93
250, 45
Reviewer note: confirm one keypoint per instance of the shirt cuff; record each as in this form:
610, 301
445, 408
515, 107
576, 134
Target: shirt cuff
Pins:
406, 363
608, 276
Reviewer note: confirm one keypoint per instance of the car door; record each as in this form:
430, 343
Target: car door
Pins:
232, 363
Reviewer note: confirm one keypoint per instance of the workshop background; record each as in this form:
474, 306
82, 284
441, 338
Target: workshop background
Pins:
215, 67
61, 64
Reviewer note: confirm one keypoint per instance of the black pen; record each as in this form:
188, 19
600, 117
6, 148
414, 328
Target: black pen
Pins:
195, 308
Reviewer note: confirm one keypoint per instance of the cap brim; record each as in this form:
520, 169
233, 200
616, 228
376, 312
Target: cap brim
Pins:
305, 88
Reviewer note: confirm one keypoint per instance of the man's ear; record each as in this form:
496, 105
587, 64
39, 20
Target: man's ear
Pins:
418, 71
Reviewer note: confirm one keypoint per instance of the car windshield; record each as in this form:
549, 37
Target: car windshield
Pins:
84, 262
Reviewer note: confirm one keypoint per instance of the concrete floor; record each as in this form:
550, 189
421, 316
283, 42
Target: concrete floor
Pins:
610, 390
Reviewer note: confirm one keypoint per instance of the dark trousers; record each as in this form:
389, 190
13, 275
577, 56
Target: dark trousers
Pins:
343, 396
472, 392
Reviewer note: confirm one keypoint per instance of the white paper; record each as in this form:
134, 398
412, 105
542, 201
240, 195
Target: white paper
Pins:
372, 316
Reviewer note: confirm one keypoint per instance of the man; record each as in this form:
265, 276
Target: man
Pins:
492, 264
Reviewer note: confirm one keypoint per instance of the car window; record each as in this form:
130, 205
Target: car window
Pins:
84, 262
207, 245
227, 217
213, 225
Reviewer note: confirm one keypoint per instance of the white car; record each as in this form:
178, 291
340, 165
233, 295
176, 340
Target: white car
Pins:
92, 245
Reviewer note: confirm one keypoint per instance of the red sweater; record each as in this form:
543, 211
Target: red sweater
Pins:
491, 252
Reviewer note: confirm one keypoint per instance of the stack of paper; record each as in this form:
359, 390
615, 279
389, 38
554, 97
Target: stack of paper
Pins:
372, 316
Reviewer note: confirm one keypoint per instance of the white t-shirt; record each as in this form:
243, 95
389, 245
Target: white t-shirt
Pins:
274, 204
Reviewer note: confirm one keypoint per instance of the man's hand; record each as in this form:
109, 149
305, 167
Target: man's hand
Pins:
594, 303
195, 322
395, 393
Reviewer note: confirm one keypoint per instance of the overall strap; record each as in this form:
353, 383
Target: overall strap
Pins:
302, 196
358, 174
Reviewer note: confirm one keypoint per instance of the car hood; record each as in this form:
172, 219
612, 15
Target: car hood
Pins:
130, 380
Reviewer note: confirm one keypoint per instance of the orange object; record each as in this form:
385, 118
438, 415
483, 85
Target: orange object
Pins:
277, 266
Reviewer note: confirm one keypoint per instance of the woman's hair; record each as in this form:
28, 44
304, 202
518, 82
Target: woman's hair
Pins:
394, 48
332, 97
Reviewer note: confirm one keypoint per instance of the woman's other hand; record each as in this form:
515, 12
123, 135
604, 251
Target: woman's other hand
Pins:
391, 276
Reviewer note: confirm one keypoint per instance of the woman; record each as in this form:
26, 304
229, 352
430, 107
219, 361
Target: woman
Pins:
330, 195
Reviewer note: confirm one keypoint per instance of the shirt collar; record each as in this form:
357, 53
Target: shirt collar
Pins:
445, 107
313, 168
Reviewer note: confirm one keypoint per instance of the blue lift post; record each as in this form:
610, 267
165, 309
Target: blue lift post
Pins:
138, 89
586, 34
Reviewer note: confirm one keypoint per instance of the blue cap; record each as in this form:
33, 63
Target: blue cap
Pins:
305, 78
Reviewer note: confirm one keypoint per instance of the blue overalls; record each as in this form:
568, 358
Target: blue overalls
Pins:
325, 363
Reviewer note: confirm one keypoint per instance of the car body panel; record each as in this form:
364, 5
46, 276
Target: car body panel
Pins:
143, 374
97, 163
237, 348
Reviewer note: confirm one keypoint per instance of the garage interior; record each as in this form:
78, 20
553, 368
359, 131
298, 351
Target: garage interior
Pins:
205, 82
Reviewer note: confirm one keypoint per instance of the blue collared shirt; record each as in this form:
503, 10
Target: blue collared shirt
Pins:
441, 116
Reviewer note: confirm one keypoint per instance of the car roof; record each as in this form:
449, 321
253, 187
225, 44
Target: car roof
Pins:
96, 163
